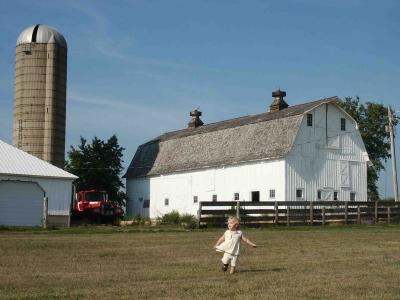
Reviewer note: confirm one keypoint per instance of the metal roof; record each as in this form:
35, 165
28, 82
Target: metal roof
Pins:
14, 161
41, 34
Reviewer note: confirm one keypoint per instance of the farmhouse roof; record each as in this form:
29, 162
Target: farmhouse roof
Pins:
14, 161
263, 136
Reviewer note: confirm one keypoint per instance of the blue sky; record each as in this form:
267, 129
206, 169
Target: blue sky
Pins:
136, 68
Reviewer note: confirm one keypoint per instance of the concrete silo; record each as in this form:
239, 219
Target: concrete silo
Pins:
40, 93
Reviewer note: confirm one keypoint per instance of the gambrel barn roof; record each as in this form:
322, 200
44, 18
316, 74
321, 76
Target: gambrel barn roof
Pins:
263, 136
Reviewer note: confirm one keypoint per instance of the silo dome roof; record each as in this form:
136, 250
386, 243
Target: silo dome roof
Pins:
41, 34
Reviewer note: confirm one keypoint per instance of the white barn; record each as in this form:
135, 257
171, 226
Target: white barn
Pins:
312, 151
24, 181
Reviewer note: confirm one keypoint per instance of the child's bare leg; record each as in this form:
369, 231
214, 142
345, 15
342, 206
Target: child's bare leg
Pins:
233, 264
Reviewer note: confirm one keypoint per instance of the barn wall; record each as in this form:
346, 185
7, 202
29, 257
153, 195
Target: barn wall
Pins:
137, 191
181, 188
57, 190
327, 160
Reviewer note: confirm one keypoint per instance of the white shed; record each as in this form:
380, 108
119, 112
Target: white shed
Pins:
24, 182
312, 151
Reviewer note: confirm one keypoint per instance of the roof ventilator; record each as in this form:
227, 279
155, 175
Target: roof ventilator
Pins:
278, 103
195, 121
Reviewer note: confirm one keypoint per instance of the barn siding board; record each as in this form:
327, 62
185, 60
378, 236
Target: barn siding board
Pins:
59, 192
180, 188
313, 164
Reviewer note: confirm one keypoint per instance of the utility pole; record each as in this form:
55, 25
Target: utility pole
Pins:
393, 155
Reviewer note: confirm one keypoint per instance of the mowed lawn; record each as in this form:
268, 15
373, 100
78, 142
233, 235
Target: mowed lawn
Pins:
356, 262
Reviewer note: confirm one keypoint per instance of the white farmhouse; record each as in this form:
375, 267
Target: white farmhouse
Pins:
313, 151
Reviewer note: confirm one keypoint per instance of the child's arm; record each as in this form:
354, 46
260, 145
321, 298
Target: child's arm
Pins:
220, 240
248, 242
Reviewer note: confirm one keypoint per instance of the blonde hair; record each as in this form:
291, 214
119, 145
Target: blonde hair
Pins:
234, 220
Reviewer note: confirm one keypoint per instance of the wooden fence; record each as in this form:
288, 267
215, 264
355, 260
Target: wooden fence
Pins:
298, 212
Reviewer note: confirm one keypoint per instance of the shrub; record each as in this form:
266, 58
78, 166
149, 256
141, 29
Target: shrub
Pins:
174, 218
188, 221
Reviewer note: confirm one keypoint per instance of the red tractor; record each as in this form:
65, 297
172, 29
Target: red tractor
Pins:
95, 206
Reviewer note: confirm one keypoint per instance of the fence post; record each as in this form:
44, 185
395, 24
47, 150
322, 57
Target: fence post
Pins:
346, 212
237, 209
376, 212
199, 215
323, 215
287, 215
358, 214
276, 212
45, 211
311, 213
388, 215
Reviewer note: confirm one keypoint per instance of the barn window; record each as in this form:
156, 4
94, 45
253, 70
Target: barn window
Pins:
352, 196
319, 194
195, 199
271, 194
146, 203
335, 195
309, 119
343, 124
166, 201
214, 198
299, 193
236, 196
255, 196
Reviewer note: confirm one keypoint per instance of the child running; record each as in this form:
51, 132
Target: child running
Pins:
229, 244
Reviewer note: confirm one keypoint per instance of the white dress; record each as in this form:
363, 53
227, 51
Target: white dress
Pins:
231, 244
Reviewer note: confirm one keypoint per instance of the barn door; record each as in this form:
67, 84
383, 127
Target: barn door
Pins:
327, 194
344, 174
21, 203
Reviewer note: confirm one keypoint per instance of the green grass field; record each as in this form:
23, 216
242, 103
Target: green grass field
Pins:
335, 262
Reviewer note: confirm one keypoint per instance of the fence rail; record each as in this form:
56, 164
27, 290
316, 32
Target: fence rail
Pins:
299, 212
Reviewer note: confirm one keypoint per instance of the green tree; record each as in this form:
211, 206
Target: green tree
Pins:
372, 119
98, 166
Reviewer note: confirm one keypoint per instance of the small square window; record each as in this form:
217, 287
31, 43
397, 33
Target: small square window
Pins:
214, 198
299, 193
140, 199
146, 203
271, 194
335, 195
166, 201
343, 124
195, 199
309, 119
236, 196
352, 196
319, 194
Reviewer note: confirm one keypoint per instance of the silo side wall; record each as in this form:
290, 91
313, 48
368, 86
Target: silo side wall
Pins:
55, 102
40, 101
29, 100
